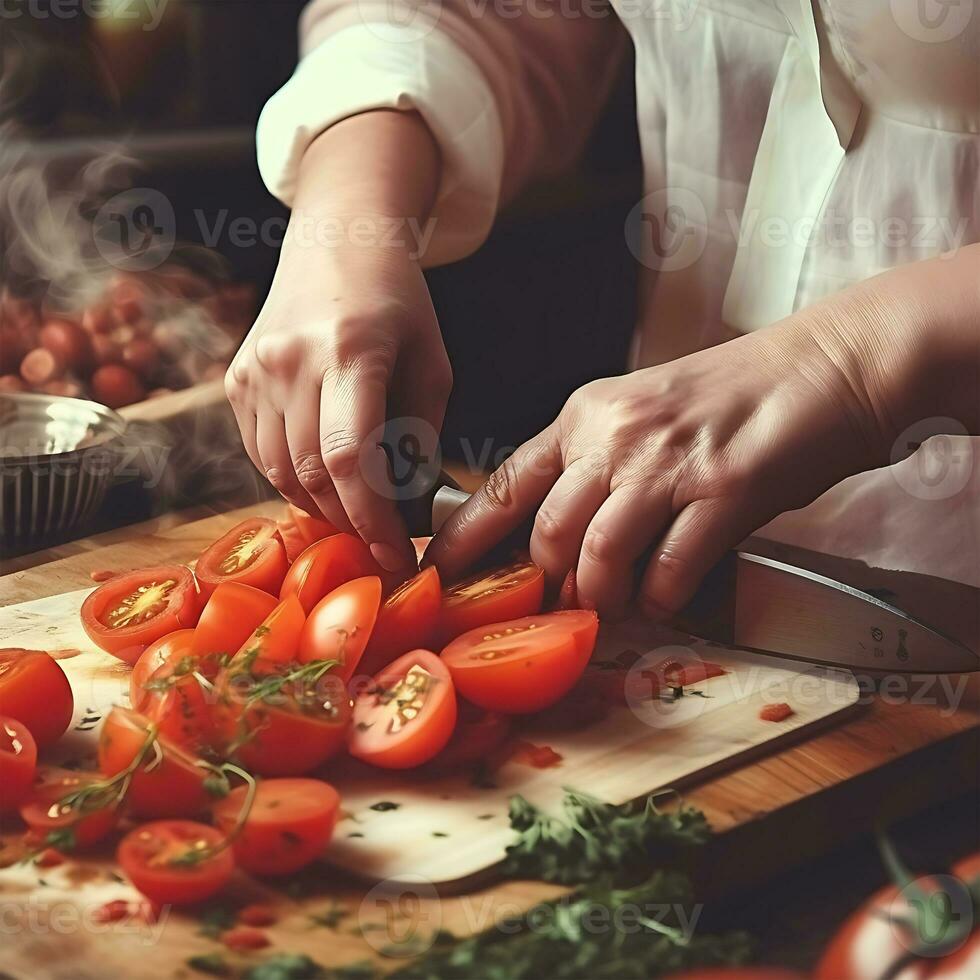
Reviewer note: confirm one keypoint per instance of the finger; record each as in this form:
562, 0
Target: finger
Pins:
274, 458
511, 493
625, 524
352, 413
565, 514
244, 416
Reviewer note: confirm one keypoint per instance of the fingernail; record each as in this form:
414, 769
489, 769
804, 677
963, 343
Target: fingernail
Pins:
653, 610
388, 556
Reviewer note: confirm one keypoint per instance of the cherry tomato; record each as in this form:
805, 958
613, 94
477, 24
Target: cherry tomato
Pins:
129, 612
310, 528
408, 620
40, 367
407, 716
176, 862
172, 647
115, 385
491, 597
179, 704
325, 565
290, 824
35, 691
170, 782
232, 614
18, 762
251, 553
70, 810
277, 638
340, 624
523, 665
477, 736
69, 342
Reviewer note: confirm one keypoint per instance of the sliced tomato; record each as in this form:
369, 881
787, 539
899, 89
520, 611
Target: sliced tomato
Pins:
277, 638
408, 620
292, 540
35, 691
171, 781
129, 612
326, 565
281, 719
524, 665
171, 647
408, 714
179, 702
176, 862
18, 762
69, 810
491, 597
311, 528
289, 825
251, 553
231, 615
340, 624
478, 735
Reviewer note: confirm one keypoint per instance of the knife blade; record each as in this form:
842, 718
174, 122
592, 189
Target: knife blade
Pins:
770, 607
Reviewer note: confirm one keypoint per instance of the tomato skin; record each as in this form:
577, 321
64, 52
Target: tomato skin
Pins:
326, 565
259, 543
182, 709
173, 787
34, 690
52, 785
139, 856
179, 609
523, 665
340, 624
18, 762
408, 620
231, 615
290, 824
169, 648
311, 528
420, 738
277, 639
491, 597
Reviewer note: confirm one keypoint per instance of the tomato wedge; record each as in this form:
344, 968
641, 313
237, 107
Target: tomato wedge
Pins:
289, 825
179, 703
18, 762
407, 716
407, 620
171, 783
171, 647
311, 528
176, 862
251, 553
277, 638
523, 665
68, 810
325, 565
231, 615
131, 611
491, 597
340, 624
35, 691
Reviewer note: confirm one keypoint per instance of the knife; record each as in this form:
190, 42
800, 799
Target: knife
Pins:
766, 606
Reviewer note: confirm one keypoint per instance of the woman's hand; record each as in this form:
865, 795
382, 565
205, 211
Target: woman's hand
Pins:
348, 336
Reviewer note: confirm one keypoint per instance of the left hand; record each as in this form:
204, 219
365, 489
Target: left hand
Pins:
689, 457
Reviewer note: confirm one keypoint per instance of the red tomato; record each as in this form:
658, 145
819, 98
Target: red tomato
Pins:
477, 736
68, 811
176, 862
491, 597
35, 691
232, 614
280, 719
290, 824
326, 565
115, 385
408, 620
18, 762
340, 624
523, 665
168, 783
69, 342
251, 553
129, 612
179, 704
244, 938
277, 638
407, 716
311, 528
172, 647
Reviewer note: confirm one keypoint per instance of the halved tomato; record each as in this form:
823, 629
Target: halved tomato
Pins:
408, 620
168, 782
340, 625
231, 615
523, 665
35, 691
131, 611
311, 528
277, 638
176, 862
251, 553
179, 702
407, 716
325, 565
289, 825
491, 597
171, 647
18, 762
69, 809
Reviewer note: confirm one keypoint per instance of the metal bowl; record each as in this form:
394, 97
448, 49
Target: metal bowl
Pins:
57, 460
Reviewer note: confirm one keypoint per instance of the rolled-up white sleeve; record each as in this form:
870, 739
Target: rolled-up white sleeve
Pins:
366, 66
